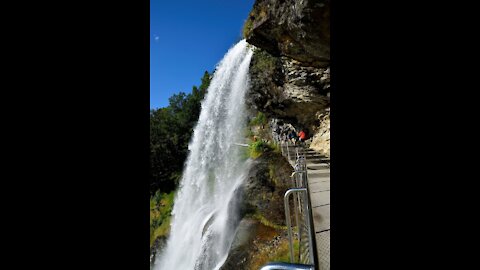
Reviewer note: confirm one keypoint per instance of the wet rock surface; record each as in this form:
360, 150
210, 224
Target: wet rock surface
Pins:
158, 245
240, 252
266, 184
263, 203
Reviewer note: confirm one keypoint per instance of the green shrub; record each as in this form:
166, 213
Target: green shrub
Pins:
259, 12
280, 254
247, 27
268, 223
161, 205
258, 148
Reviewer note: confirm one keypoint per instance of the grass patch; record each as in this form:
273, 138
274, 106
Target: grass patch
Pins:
281, 254
161, 205
256, 149
247, 27
266, 222
259, 12
160, 231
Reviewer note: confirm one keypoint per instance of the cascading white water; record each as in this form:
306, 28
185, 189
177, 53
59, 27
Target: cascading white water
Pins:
205, 214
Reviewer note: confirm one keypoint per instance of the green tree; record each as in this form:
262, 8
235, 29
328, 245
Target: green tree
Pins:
171, 129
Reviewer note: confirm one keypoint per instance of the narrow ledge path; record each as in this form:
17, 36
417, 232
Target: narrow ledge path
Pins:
318, 174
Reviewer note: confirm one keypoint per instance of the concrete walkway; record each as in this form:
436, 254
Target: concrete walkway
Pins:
318, 171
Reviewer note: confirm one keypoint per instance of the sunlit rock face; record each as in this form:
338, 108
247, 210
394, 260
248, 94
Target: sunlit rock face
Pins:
298, 29
321, 139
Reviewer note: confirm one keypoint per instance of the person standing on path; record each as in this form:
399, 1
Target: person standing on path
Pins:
302, 135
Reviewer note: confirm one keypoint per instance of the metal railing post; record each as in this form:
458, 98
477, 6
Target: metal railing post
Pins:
310, 239
288, 153
288, 219
297, 205
303, 213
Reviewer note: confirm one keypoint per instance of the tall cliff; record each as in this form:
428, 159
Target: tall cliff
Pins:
290, 69
289, 89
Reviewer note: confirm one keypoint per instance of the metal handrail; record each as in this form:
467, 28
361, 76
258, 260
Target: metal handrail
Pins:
288, 153
302, 207
287, 266
287, 215
306, 213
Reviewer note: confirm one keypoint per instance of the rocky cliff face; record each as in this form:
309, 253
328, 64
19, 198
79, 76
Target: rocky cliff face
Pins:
290, 85
290, 69
298, 29
262, 211
321, 140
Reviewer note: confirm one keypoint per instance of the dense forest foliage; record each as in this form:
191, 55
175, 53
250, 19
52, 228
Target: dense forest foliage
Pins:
170, 131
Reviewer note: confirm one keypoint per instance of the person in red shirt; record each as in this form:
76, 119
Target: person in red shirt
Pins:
302, 135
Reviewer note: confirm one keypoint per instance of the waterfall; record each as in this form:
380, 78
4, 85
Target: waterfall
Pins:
205, 214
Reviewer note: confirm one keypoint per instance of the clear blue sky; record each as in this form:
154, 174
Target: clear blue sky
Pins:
188, 37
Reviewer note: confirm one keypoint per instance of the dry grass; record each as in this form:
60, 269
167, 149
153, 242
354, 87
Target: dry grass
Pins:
266, 222
277, 254
268, 251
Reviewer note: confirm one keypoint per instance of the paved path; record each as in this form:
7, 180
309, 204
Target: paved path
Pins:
318, 171
318, 174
